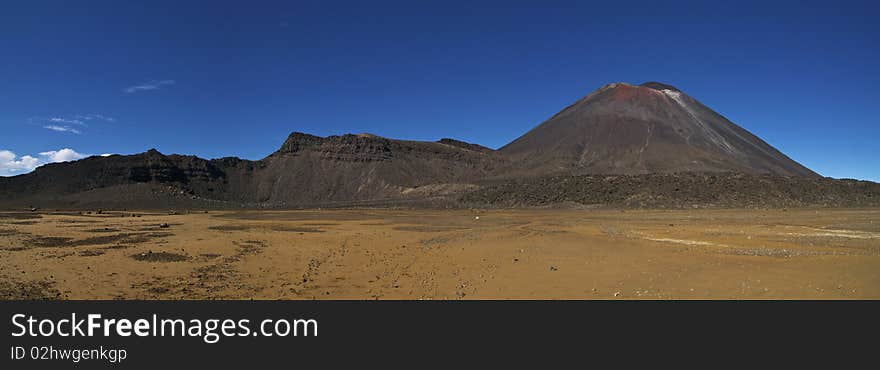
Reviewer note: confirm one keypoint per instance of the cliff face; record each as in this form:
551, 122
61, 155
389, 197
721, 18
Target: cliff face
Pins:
306, 170
309, 169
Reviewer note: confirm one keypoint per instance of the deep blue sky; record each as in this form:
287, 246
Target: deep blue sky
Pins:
234, 78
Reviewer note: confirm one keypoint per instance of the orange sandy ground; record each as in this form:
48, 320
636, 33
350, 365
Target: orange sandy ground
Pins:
430, 254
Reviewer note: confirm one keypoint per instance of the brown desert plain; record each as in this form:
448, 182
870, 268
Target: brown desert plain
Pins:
442, 254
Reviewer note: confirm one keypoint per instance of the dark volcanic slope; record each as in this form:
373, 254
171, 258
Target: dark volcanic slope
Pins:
306, 170
680, 190
145, 179
310, 169
652, 128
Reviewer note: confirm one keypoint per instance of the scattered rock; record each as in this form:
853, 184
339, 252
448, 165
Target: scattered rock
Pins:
91, 253
28, 290
149, 256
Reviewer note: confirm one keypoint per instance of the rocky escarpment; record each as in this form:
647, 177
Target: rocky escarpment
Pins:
306, 170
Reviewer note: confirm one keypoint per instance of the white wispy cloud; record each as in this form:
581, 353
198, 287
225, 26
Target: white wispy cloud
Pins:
11, 164
73, 124
149, 85
63, 129
94, 116
65, 120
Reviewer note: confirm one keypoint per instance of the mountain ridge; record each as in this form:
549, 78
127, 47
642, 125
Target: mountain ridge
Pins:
618, 129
